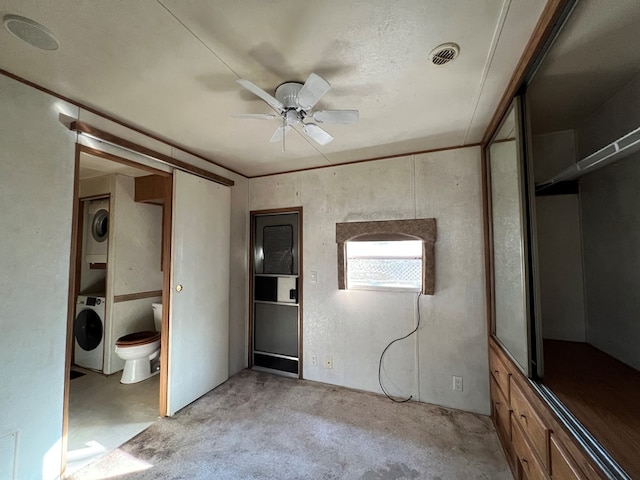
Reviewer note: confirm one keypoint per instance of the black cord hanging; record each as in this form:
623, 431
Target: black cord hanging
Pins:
387, 348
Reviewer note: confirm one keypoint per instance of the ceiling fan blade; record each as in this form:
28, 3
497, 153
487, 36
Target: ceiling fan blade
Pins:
279, 134
312, 91
256, 116
256, 90
338, 117
317, 134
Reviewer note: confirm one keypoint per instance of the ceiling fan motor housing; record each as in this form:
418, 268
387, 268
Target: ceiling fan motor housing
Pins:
287, 94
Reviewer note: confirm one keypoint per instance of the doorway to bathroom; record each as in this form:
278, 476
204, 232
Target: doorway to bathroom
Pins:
276, 293
168, 234
118, 291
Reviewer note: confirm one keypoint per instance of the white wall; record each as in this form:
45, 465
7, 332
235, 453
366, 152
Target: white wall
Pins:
355, 326
617, 117
611, 230
559, 242
36, 199
135, 240
552, 153
560, 267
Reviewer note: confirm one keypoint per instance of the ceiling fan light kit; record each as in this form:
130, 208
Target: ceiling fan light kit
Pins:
294, 102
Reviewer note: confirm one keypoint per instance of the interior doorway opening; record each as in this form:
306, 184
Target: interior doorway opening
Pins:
120, 256
276, 291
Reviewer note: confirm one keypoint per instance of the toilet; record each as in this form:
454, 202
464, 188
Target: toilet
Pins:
141, 351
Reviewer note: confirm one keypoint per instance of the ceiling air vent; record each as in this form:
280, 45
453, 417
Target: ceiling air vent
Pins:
444, 53
31, 32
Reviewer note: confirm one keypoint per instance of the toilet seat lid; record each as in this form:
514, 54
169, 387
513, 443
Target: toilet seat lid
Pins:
138, 338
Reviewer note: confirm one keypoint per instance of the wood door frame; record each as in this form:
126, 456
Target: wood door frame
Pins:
252, 216
75, 260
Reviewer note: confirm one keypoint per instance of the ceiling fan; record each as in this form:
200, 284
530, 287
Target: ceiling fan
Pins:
294, 103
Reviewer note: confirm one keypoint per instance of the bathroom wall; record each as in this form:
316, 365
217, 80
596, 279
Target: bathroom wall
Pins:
36, 198
354, 326
134, 266
135, 241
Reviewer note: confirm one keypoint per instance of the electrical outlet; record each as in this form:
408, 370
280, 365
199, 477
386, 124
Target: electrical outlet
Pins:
328, 361
314, 360
457, 383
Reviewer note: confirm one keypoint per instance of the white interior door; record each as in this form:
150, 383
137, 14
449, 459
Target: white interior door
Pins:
199, 301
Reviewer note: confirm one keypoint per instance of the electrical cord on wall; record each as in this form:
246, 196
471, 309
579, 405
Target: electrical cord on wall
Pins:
387, 348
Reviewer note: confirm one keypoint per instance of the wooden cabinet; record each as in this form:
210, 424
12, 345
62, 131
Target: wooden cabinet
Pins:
531, 424
536, 445
563, 466
500, 373
529, 465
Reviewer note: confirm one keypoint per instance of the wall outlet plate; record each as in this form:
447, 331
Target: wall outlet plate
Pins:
314, 360
328, 361
457, 383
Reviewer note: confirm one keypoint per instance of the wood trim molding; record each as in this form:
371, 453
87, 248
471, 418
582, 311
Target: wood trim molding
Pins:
82, 127
74, 287
300, 293
420, 229
552, 12
136, 296
167, 219
488, 252
385, 157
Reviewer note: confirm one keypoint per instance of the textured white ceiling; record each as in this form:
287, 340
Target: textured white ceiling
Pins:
594, 56
169, 67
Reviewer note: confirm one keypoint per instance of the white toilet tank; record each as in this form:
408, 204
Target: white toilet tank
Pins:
157, 316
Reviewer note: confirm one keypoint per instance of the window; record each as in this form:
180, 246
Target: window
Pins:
385, 265
387, 254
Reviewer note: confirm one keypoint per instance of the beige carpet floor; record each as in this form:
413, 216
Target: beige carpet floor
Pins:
262, 426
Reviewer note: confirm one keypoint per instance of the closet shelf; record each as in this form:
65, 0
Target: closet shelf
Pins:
617, 150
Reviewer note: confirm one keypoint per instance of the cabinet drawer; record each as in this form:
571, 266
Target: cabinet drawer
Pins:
532, 426
501, 411
562, 468
499, 372
530, 466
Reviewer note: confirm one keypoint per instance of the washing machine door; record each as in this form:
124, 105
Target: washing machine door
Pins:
100, 226
87, 328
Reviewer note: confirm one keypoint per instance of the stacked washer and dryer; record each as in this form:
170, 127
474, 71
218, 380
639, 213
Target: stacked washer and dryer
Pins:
89, 324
